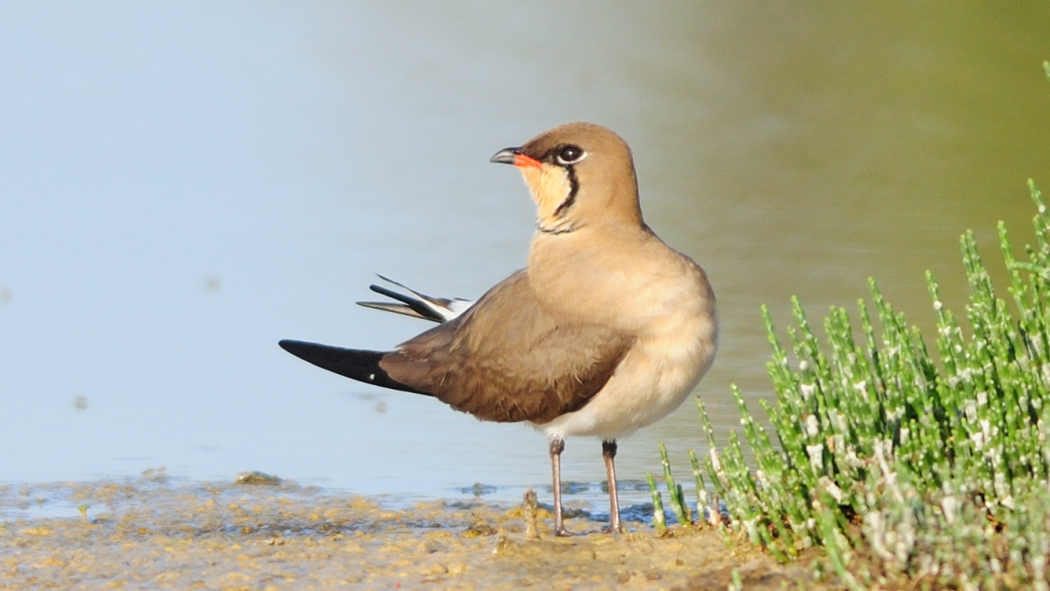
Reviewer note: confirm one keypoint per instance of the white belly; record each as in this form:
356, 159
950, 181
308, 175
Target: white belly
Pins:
656, 376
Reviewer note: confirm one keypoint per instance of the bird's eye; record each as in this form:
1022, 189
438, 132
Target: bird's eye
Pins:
570, 154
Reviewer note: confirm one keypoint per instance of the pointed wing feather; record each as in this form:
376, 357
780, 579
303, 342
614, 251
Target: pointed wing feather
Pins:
396, 309
356, 364
417, 305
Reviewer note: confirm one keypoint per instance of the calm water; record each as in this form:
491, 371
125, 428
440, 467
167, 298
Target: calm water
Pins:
183, 186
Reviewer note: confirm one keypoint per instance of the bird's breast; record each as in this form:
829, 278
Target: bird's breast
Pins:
666, 303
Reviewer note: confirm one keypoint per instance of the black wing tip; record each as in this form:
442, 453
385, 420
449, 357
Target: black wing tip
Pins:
299, 348
390, 293
356, 364
289, 344
416, 304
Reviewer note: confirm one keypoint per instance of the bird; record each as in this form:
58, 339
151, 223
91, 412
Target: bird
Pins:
607, 330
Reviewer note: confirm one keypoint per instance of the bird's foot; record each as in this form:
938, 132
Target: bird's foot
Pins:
561, 532
613, 529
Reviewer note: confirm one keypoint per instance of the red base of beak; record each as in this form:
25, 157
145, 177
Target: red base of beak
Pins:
523, 161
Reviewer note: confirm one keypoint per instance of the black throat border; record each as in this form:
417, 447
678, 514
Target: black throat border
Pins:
574, 187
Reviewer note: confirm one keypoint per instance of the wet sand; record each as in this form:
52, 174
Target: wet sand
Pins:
150, 534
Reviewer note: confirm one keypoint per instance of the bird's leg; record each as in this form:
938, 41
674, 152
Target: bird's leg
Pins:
609, 453
557, 446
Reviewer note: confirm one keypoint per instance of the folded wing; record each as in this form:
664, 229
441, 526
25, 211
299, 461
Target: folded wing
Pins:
506, 359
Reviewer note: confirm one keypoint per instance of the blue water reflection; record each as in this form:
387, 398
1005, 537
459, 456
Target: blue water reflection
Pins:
183, 185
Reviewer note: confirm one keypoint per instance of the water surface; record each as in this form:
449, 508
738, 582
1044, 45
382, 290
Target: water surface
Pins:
183, 186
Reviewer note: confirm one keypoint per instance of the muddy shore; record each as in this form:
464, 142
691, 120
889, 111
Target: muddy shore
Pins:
149, 534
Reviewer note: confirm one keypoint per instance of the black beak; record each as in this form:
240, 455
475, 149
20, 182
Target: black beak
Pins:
507, 156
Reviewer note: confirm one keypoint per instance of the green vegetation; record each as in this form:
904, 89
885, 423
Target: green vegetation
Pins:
898, 464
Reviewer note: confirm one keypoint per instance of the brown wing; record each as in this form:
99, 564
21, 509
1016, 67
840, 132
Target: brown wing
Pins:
508, 360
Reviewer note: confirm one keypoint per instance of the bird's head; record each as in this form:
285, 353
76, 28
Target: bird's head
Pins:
579, 174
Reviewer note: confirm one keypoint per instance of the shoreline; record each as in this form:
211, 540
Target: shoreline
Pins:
147, 534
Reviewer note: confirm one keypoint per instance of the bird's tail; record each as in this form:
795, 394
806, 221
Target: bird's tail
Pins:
416, 304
